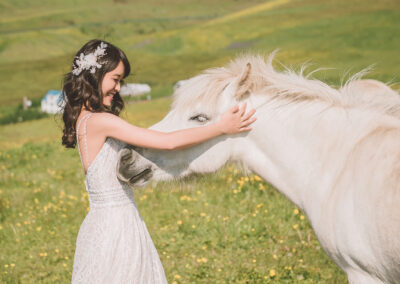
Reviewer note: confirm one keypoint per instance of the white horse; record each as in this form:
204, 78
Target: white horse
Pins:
333, 153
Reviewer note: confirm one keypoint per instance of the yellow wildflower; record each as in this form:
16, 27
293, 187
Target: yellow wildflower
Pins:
272, 273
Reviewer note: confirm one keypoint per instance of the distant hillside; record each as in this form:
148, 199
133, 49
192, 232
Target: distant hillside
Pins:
166, 43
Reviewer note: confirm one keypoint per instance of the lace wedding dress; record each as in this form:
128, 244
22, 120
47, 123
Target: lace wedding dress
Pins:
113, 244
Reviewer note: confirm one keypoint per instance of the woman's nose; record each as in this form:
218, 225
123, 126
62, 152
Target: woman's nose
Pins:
118, 87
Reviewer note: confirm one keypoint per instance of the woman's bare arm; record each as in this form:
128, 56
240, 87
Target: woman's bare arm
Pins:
233, 121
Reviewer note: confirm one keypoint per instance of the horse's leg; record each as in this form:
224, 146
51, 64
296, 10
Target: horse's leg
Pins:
361, 277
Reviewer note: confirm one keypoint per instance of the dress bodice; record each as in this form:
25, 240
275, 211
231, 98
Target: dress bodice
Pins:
102, 184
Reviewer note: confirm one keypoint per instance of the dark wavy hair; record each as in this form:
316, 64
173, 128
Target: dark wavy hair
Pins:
85, 89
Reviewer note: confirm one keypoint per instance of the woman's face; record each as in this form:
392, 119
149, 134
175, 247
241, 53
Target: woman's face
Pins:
112, 83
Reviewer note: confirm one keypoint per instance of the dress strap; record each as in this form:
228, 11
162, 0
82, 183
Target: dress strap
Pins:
85, 118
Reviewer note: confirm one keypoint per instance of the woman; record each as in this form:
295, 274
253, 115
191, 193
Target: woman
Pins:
113, 244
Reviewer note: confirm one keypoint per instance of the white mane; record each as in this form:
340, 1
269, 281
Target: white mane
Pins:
287, 85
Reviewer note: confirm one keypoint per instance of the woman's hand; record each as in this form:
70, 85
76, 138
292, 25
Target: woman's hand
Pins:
236, 120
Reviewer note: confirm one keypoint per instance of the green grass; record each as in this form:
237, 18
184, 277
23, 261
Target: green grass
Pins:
222, 228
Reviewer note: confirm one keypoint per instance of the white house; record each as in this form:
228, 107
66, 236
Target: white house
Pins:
134, 89
52, 102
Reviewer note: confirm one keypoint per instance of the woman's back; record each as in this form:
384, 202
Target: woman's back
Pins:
102, 184
89, 134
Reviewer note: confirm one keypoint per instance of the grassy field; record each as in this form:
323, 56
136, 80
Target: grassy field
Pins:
226, 228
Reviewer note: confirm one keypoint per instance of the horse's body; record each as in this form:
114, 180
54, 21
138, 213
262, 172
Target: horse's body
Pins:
335, 156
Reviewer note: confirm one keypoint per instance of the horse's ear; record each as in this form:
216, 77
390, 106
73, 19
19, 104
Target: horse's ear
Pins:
244, 83
239, 86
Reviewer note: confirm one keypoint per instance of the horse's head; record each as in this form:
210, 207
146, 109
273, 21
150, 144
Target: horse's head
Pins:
299, 120
199, 101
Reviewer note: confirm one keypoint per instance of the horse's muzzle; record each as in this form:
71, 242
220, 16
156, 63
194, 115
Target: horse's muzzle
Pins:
132, 168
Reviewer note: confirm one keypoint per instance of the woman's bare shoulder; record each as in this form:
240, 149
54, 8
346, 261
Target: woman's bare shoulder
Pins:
101, 121
105, 117
109, 123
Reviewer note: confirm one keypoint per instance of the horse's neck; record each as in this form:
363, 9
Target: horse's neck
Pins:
301, 148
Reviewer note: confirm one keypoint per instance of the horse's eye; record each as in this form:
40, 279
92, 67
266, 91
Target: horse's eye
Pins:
200, 118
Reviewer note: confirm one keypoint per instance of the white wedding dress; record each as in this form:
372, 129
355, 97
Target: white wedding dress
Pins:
113, 244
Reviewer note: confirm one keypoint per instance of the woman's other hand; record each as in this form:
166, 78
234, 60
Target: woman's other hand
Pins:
236, 120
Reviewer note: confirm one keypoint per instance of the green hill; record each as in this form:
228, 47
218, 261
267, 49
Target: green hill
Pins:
170, 41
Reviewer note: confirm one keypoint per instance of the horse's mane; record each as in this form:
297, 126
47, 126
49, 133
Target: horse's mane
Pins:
286, 85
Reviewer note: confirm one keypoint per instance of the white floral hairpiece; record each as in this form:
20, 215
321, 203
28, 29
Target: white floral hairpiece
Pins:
89, 61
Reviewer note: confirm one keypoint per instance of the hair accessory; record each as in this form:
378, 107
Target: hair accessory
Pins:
89, 61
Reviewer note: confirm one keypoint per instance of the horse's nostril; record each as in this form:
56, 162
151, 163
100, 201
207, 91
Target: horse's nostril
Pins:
145, 175
128, 156
125, 155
